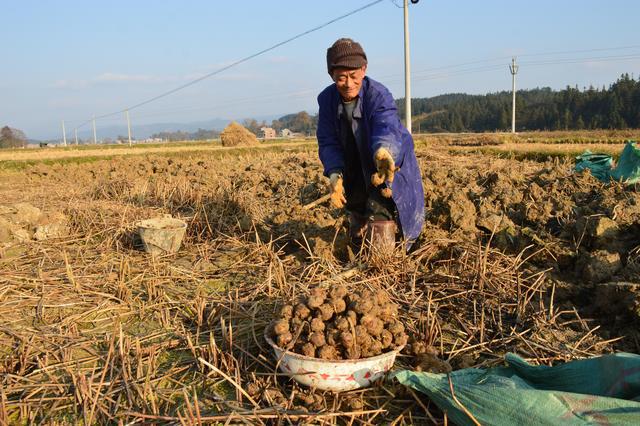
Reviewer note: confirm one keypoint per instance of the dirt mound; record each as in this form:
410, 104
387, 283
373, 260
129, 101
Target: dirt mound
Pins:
236, 135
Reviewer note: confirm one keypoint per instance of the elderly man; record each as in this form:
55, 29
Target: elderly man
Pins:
367, 153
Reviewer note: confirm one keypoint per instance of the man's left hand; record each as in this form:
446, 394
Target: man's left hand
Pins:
386, 169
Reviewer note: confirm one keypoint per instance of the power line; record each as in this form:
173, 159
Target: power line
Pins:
238, 62
529, 63
580, 60
434, 76
417, 76
600, 49
499, 58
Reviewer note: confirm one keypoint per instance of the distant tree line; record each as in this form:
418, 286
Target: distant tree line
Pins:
300, 122
615, 107
198, 135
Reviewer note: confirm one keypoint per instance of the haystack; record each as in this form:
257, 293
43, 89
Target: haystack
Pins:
236, 135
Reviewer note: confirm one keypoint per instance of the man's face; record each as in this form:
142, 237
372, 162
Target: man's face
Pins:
348, 81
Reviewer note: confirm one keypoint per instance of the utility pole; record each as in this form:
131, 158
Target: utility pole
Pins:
75, 132
95, 140
128, 126
514, 70
64, 134
407, 67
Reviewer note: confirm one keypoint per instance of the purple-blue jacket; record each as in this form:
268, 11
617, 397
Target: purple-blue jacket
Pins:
376, 125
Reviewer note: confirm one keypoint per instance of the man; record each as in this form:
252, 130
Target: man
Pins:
367, 153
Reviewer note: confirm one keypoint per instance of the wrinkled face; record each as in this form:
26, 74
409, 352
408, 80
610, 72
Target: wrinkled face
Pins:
348, 81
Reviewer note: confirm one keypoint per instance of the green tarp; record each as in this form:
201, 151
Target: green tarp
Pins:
603, 390
627, 170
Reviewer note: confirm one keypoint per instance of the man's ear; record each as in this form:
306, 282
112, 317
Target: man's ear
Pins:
364, 68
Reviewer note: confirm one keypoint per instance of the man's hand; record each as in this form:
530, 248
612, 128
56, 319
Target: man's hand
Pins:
336, 187
386, 169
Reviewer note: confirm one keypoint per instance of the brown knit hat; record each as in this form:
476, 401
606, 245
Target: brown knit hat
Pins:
345, 53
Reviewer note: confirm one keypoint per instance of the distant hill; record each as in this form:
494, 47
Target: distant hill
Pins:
144, 131
615, 107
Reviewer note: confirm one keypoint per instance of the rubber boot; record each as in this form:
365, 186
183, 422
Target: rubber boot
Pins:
381, 236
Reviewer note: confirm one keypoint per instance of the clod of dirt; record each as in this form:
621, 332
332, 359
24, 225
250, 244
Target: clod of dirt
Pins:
618, 300
465, 361
25, 213
601, 265
431, 364
312, 401
6, 231
598, 231
355, 403
462, 212
419, 348
327, 330
494, 223
52, 226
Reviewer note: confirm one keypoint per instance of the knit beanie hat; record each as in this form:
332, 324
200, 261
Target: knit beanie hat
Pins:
345, 53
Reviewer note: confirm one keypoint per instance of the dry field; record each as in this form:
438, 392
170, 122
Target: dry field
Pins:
517, 256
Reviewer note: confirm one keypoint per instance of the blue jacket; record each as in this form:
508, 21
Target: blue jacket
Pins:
376, 125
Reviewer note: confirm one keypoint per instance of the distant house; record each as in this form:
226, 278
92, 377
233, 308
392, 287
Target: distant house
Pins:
286, 133
268, 133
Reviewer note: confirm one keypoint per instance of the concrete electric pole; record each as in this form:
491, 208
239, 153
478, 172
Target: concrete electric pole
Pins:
407, 67
64, 135
95, 140
514, 70
128, 126
75, 132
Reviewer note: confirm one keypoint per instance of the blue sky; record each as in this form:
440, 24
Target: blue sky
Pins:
71, 59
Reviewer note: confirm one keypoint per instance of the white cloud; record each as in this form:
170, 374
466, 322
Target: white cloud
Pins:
110, 77
123, 78
70, 84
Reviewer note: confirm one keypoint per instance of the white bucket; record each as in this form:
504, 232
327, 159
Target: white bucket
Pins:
161, 235
332, 375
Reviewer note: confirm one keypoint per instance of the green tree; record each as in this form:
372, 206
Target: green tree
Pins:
12, 138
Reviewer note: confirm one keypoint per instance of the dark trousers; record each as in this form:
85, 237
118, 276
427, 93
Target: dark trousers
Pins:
366, 200
362, 197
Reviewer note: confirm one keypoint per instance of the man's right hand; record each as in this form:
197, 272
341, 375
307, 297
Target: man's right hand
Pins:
336, 187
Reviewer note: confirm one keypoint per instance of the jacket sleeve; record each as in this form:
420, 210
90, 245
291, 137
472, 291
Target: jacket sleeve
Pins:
386, 129
329, 147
